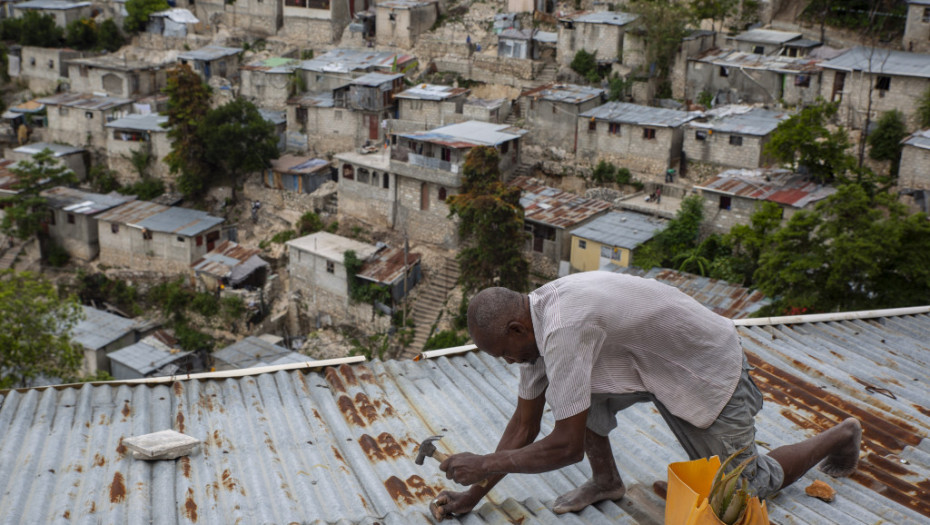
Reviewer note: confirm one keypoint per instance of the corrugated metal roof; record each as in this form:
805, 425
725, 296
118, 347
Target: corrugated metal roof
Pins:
431, 92
255, 351
570, 93
99, 328
337, 445
767, 36
776, 185
516, 34
403, 4
147, 356
151, 122
744, 60
487, 103
919, 139
331, 246
120, 62
624, 229
387, 266
59, 150
348, 60
225, 258
209, 53
178, 15
727, 299
274, 116
546, 37
273, 65
554, 207
85, 101
322, 99
804, 43
468, 134
50, 4
755, 121
614, 18
886, 61
299, 164
375, 79
627, 113
83, 202
160, 218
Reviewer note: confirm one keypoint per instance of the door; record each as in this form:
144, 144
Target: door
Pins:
839, 83
373, 127
424, 196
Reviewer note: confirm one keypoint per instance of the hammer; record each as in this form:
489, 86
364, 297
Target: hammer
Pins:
428, 449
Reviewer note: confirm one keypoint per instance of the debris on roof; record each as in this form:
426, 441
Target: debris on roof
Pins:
386, 266
554, 207
230, 261
570, 93
742, 120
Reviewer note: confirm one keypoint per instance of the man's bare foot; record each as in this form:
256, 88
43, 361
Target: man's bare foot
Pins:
844, 461
585, 495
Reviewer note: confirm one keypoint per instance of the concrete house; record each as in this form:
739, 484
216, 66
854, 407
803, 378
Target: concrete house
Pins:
340, 66
138, 133
116, 75
552, 110
62, 11
398, 23
267, 82
643, 138
896, 80
917, 27
762, 41
72, 221
550, 217
914, 172
731, 197
601, 33
256, 17
75, 159
426, 106
99, 334
298, 173
151, 357
80, 119
317, 123
732, 136
372, 97
494, 111
173, 23
230, 265
517, 43
43, 69
608, 241
319, 21
740, 77
212, 61
150, 236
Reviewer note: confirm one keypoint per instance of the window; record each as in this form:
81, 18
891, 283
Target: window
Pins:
301, 115
70, 218
532, 103
88, 114
700, 134
146, 234
114, 228
442, 195
505, 147
51, 64
446, 154
375, 179
614, 128
387, 180
736, 140
592, 125
583, 244
199, 240
554, 110
348, 172
32, 61
759, 50
802, 80
883, 83
330, 267
926, 17
649, 133
724, 202
180, 238
364, 176
724, 72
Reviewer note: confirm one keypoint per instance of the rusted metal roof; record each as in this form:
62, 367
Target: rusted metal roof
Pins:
776, 185
387, 265
727, 299
744, 60
223, 260
337, 444
554, 207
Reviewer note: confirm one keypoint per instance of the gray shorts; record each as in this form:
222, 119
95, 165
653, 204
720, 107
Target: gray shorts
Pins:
733, 429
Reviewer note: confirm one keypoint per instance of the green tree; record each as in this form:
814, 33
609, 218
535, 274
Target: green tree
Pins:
585, 64
237, 141
81, 34
804, 140
490, 226
26, 210
40, 30
885, 140
715, 10
108, 36
188, 104
618, 88
748, 241
852, 252
663, 24
923, 110
139, 11
35, 331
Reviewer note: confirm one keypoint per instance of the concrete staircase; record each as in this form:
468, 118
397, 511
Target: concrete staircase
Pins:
520, 170
9, 252
548, 74
429, 303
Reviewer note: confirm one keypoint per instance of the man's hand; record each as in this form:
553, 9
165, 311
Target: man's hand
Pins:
465, 468
448, 503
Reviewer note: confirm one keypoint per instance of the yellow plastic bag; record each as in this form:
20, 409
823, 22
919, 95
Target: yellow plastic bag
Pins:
688, 487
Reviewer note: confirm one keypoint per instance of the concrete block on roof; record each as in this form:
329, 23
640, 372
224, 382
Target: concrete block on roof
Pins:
164, 444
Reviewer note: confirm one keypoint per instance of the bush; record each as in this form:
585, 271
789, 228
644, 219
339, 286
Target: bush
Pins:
98, 288
705, 98
205, 304
55, 254
146, 189
604, 172
82, 34
585, 64
108, 36
233, 308
445, 339
623, 176
103, 180
309, 223
191, 339
283, 237
172, 296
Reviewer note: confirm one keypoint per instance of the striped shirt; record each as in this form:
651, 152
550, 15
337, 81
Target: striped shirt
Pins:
601, 332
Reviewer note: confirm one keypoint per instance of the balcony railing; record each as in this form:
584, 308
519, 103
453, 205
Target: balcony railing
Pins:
430, 162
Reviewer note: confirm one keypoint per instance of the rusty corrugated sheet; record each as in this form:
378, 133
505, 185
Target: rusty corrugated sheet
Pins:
387, 265
553, 207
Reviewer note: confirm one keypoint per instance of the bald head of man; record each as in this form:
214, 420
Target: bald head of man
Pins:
500, 324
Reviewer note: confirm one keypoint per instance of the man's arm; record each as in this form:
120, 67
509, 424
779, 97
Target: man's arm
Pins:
521, 430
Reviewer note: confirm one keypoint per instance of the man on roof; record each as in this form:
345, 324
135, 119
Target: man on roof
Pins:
594, 343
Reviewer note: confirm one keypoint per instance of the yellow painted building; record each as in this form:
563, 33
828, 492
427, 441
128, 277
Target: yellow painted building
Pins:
610, 240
